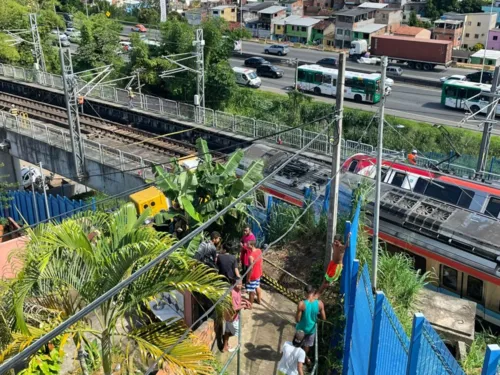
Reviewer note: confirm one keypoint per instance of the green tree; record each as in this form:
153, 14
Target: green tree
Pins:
68, 265
413, 20
432, 10
470, 6
477, 47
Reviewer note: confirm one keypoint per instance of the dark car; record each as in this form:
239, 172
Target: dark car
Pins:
475, 77
254, 62
327, 62
269, 71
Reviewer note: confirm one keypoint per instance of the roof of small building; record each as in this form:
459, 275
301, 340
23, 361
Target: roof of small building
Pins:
371, 28
408, 30
353, 12
271, 10
490, 54
322, 25
221, 7
298, 21
372, 5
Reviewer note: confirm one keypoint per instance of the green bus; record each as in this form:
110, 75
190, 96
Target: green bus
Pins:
466, 95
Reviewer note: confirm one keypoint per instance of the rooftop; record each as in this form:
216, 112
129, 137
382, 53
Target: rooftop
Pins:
255, 7
371, 28
272, 10
221, 7
298, 21
322, 25
353, 12
449, 22
490, 54
372, 5
408, 30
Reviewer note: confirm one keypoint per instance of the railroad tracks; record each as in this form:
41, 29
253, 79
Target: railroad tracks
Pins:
95, 127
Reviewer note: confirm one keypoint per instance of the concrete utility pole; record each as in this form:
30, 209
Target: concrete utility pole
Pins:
163, 10
334, 184
488, 123
71, 97
37, 44
45, 192
199, 43
376, 211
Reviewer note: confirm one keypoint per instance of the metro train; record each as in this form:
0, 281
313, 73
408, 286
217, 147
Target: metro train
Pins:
447, 224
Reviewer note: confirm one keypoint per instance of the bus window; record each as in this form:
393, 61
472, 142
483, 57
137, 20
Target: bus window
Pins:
398, 179
462, 93
327, 79
301, 75
475, 289
493, 207
450, 277
353, 165
334, 83
318, 78
451, 91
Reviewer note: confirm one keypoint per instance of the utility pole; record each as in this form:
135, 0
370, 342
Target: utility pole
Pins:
71, 97
334, 184
35, 204
376, 211
297, 77
37, 44
45, 192
488, 123
199, 43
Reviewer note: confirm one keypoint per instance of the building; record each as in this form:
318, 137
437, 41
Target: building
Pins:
264, 26
228, 12
461, 56
196, 16
389, 16
251, 10
293, 7
476, 26
349, 20
414, 6
296, 29
322, 31
449, 30
412, 32
489, 56
494, 39
369, 5
495, 9
367, 31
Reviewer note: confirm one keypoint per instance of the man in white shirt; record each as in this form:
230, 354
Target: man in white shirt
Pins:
293, 358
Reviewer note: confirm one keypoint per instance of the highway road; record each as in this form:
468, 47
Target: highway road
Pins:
413, 102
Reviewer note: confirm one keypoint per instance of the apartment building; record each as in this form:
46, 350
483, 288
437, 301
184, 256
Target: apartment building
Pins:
389, 16
265, 25
228, 12
476, 26
349, 20
293, 7
494, 39
451, 30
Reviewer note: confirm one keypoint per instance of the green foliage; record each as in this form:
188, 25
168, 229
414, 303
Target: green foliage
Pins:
473, 362
435, 8
477, 47
44, 364
280, 220
415, 21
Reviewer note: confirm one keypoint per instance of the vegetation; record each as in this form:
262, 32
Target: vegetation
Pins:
435, 8
414, 21
477, 47
63, 269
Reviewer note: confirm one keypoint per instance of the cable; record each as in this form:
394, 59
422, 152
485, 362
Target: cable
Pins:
33, 348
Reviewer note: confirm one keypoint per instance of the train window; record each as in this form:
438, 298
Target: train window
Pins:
465, 199
419, 263
474, 289
398, 179
450, 277
493, 207
353, 165
383, 173
443, 192
420, 186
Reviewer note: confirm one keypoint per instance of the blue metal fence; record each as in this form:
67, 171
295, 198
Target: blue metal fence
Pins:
21, 207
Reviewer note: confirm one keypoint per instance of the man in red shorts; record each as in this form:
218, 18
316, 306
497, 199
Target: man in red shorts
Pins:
253, 284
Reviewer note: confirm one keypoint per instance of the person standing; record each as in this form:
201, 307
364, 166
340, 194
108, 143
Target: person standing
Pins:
307, 316
232, 320
207, 251
412, 158
227, 265
131, 97
244, 249
253, 284
293, 356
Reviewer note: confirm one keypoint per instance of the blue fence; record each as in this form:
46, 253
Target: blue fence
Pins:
21, 207
375, 342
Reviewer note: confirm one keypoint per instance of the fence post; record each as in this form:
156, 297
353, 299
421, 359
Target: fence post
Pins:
350, 317
415, 342
375, 340
491, 360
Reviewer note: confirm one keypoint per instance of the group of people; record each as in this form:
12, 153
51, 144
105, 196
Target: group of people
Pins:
309, 310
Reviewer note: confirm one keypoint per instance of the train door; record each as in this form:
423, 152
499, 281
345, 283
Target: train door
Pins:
473, 289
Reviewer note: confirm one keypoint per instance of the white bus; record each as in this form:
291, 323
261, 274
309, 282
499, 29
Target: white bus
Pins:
360, 87
466, 95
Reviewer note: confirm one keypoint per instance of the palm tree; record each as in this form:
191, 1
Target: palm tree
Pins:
68, 265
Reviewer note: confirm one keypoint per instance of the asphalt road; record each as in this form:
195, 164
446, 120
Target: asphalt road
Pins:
413, 102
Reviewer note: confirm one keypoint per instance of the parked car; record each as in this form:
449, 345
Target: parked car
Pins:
328, 62
63, 42
69, 31
475, 77
75, 38
394, 71
277, 49
254, 62
139, 28
269, 71
125, 47
59, 34
454, 77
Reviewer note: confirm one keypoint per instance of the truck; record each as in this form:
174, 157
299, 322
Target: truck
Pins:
421, 54
358, 49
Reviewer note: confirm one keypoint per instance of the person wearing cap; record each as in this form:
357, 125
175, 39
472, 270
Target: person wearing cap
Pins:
131, 97
293, 356
13, 110
412, 158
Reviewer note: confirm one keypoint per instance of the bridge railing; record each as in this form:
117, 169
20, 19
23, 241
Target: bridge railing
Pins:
222, 120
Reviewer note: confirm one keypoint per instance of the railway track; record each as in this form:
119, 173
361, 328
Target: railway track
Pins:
94, 127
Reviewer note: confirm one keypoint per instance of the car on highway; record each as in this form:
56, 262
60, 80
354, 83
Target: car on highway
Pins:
327, 62
269, 71
277, 49
454, 77
139, 28
59, 34
246, 77
476, 76
63, 42
254, 62
394, 71
389, 82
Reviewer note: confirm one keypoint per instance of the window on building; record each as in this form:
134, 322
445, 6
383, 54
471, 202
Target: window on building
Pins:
340, 32
347, 33
469, 23
476, 36
232, 10
474, 288
303, 29
450, 277
495, 37
450, 37
465, 45
479, 24
466, 35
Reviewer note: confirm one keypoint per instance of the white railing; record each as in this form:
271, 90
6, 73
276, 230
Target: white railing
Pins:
241, 125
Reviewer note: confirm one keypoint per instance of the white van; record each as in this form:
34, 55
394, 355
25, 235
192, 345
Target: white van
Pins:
246, 77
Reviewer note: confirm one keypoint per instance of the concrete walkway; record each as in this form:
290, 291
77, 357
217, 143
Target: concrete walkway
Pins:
264, 330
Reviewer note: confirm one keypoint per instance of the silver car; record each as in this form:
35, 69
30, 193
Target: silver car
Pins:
277, 49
